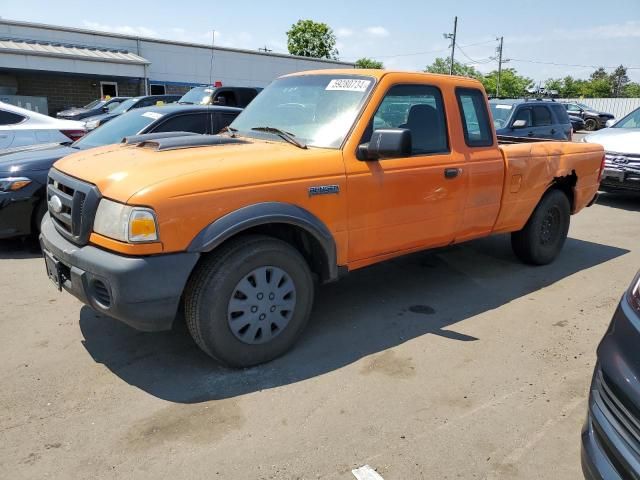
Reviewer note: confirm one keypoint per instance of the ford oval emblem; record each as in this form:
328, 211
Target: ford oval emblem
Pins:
56, 204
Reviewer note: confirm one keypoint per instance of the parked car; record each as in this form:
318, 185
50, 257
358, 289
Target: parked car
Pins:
21, 127
129, 104
621, 143
576, 123
530, 118
101, 105
236, 227
593, 120
611, 433
229, 96
23, 175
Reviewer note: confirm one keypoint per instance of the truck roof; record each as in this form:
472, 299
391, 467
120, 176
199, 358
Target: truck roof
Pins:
378, 74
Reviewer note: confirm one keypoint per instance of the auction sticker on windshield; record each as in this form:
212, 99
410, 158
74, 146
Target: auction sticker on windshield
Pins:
348, 84
504, 107
154, 115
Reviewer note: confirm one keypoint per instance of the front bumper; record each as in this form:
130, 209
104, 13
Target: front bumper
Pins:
616, 180
143, 292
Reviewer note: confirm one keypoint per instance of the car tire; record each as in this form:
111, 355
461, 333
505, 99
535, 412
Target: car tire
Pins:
590, 124
249, 301
542, 238
38, 215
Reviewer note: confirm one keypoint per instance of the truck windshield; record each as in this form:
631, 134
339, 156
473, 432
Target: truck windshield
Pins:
125, 106
318, 110
501, 113
197, 96
130, 123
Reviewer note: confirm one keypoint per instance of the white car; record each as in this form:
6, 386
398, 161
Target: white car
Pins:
20, 127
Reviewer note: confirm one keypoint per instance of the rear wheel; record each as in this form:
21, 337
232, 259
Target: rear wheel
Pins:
590, 124
248, 302
542, 238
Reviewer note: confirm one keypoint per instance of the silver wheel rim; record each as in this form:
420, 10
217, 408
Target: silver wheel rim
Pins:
261, 305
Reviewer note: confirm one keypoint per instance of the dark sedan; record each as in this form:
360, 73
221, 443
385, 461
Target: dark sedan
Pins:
593, 119
130, 104
23, 174
96, 107
611, 434
576, 123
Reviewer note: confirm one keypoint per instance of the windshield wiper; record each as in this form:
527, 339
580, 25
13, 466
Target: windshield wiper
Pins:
232, 131
289, 137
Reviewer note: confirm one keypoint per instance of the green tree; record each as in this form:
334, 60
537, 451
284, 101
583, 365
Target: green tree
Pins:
554, 84
311, 39
619, 80
599, 74
632, 90
511, 84
441, 65
369, 63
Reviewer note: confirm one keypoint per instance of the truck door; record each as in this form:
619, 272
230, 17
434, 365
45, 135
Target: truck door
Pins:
399, 204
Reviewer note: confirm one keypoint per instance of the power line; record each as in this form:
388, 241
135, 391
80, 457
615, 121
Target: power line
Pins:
570, 64
480, 62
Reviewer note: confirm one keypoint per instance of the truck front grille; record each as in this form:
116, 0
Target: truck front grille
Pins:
72, 205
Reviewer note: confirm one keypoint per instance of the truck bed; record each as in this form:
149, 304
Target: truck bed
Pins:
532, 166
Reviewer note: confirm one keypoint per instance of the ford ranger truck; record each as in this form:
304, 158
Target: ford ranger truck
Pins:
323, 173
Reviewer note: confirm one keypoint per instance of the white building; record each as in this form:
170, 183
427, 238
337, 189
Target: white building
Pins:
73, 66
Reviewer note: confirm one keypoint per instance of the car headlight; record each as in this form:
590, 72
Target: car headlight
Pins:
125, 223
92, 124
12, 184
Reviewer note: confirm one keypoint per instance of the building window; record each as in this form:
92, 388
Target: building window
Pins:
108, 89
157, 89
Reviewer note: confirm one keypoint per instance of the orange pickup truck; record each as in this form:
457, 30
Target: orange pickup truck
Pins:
323, 173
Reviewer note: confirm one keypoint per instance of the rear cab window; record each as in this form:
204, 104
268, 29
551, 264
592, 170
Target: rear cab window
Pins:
475, 117
541, 116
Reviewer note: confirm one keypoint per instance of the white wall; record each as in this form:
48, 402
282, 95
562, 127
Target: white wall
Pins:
618, 107
170, 61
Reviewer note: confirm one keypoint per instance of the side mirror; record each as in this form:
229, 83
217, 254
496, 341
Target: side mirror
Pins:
106, 109
519, 124
386, 143
220, 101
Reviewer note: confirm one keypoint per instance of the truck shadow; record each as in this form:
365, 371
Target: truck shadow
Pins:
624, 200
368, 312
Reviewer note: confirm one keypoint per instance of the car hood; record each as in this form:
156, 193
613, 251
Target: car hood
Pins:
618, 140
33, 159
73, 110
123, 171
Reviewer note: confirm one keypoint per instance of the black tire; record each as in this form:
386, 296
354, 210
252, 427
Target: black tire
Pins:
38, 215
216, 281
590, 124
542, 238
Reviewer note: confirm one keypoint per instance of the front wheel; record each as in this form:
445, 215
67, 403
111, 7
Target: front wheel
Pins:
248, 302
542, 238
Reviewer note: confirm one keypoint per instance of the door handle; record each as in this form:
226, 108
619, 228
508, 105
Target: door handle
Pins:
530, 134
452, 172
553, 130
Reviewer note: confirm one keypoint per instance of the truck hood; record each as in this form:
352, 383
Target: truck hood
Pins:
122, 171
617, 140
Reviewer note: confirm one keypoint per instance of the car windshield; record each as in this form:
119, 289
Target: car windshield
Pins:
584, 107
130, 123
197, 96
318, 110
501, 113
124, 106
630, 121
94, 104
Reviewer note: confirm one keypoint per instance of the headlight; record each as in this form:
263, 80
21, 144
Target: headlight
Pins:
125, 223
92, 124
11, 184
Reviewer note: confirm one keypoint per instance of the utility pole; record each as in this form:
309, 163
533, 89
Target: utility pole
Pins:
499, 67
452, 37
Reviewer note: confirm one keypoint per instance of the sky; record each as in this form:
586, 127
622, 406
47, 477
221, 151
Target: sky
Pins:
408, 35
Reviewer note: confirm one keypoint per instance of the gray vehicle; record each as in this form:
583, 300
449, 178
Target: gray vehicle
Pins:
621, 144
